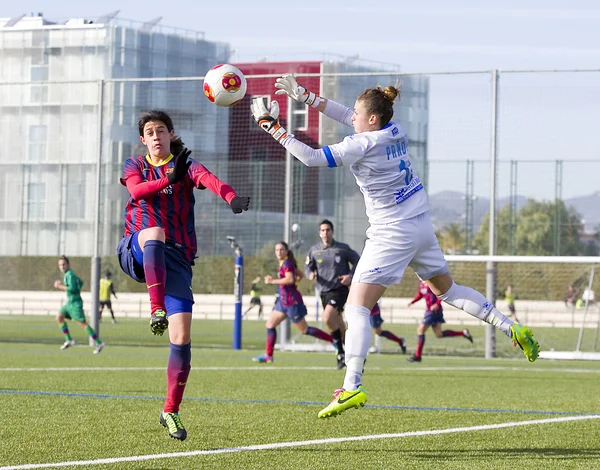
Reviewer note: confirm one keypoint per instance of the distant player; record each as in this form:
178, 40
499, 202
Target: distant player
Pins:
400, 233
289, 304
255, 298
509, 298
159, 244
73, 309
377, 321
107, 288
332, 263
434, 317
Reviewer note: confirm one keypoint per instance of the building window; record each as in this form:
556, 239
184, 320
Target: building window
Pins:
36, 200
37, 143
300, 116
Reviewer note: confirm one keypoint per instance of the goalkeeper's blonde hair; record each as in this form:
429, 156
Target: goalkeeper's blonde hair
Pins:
380, 101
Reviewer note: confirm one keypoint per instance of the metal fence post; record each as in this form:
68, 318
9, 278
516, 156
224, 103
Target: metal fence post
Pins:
95, 264
490, 331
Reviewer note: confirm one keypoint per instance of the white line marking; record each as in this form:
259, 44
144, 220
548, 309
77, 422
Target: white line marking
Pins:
269, 367
283, 445
501, 368
95, 369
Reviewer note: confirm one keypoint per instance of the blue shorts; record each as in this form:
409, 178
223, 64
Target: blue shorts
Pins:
178, 289
376, 320
433, 318
294, 312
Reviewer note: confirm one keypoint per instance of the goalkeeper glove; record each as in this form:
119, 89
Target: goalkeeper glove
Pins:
288, 85
239, 204
182, 165
268, 120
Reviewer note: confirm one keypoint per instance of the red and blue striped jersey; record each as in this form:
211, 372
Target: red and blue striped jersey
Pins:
376, 310
289, 294
154, 202
430, 298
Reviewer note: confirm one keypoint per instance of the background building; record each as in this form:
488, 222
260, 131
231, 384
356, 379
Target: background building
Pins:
70, 94
49, 113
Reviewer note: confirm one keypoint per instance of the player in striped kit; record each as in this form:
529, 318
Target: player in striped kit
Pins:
376, 321
400, 232
289, 303
159, 243
434, 317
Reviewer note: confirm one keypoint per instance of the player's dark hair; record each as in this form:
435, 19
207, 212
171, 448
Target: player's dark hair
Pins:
327, 222
177, 144
63, 257
380, 102
290, 253
107, 274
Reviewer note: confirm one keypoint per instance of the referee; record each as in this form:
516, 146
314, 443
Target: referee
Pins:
332, 264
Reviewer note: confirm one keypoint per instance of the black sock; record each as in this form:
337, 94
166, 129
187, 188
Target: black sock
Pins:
337, 340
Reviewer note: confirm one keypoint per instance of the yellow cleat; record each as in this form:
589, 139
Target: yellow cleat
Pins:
523, 337
343, 400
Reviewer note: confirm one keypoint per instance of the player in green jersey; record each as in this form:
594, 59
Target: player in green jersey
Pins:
73, 309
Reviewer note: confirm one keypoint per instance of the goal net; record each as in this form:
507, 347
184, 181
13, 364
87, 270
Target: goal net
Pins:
554, 296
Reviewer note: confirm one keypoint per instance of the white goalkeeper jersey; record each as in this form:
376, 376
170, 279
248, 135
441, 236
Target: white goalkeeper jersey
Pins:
380, 162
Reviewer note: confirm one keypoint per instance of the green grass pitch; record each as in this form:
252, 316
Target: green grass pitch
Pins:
73, 406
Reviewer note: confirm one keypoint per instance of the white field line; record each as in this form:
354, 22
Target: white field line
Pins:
276, 368
283, 445
116, 369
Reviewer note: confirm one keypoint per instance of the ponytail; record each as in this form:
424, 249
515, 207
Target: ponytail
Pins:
177, 145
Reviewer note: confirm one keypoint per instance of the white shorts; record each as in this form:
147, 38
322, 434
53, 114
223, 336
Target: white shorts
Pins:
390, 248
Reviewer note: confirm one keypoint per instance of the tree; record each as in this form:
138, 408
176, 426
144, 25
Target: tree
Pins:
452, 238
481, 238
537, 232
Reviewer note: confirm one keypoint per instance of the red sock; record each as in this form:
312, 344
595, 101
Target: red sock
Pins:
271, 338
320, 334
452, 333
178, 370
391, 336
155, 273
420, 343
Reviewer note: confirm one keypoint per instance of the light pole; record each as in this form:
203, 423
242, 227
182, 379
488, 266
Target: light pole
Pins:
238, 287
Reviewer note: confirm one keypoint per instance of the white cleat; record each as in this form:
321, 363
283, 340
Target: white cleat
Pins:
99, 347
68, 344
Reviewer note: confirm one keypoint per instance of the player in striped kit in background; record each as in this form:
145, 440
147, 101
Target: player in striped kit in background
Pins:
376, 321
289, 303
159, 244
434, 317
400, 233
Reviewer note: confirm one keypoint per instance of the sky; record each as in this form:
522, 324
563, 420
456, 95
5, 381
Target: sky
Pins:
542, 117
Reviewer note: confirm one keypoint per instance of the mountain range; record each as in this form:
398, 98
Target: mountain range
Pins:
449, 207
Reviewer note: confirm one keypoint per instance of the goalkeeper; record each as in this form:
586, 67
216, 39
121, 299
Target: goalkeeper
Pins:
400, 233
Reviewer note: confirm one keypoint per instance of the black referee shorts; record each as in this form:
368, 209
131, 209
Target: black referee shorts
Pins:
336, 298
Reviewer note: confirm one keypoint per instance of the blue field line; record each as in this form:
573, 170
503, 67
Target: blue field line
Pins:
282, 402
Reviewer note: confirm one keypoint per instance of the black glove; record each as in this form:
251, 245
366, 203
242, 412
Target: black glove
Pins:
159, 322
182, 165
239, 204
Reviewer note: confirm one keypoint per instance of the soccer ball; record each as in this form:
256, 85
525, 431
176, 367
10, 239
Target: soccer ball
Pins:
224, 85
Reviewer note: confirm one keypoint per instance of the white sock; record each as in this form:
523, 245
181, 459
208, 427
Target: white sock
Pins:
357, 343
472, 302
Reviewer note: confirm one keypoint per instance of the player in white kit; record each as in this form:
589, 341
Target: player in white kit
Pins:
400, 232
